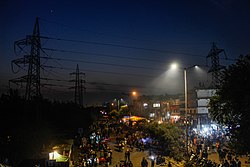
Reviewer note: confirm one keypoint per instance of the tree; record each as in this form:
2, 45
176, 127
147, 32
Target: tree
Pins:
231, 104
23, 132
168, 136
114, 114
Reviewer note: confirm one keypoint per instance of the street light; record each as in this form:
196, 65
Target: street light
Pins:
131, 96
134, 93
174, 66
186, 101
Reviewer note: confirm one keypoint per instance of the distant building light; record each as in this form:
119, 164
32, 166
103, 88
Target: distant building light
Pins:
152, 157
54, 155
156, 105
152, 115
168, 114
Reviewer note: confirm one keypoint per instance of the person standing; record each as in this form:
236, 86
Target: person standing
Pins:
130, 164
225, 164
144, 162
152, 162
109, 156
127, 155
238, 162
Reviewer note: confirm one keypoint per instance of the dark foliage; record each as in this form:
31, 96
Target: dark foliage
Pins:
26, 126
169, 138
231, 105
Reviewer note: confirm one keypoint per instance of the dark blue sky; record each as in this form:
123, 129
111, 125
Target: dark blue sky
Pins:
125, 45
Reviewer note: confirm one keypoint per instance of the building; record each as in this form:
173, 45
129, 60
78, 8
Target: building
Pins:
164, 108
60, 155
203, 99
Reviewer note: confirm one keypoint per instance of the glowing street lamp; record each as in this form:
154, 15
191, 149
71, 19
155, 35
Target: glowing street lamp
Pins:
131, 96
174, 66
134, 93
186, 101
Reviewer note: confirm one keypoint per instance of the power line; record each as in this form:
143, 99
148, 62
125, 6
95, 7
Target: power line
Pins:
123, 37
50, 56
102, 55
95, 84
110, 35
108, 84
121, 46
108, 64
131, 47
106, 72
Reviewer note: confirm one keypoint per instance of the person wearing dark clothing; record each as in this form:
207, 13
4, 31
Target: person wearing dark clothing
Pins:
144, 162
238, 162
130, 164
127, 155
225, 164
109, 156
152, 162
169, 164
233, 163
229, 156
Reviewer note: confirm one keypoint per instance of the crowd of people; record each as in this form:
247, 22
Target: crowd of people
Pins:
215, 143
94, 149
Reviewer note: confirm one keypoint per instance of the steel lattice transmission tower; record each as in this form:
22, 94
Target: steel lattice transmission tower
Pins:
32, 59
79, 86
216, 68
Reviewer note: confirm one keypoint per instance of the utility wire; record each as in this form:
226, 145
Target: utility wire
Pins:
97, 71
116, 35
131, 47
121, 46
108, 64
102, 55
94, 83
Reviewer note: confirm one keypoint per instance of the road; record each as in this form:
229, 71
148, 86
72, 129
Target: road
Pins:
135, 156
215, 157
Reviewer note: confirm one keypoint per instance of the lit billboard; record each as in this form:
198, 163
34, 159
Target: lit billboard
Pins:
203, 102
205, 93
202, 110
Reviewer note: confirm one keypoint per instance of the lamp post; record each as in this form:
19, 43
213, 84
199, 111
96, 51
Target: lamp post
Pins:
131, 96
174, 66
186, 101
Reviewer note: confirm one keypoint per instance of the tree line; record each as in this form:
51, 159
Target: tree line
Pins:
231, 104
27, 126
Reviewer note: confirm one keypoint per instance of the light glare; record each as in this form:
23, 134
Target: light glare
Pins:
173, 66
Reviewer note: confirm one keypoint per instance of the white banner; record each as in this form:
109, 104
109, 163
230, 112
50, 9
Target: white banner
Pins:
203, 102
205, 93
202, 110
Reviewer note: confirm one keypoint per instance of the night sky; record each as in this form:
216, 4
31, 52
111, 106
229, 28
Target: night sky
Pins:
123, 46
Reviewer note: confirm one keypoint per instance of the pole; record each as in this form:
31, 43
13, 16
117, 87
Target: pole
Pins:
186, 101
118, 104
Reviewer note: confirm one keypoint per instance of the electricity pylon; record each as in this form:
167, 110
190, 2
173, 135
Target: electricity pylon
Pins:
32, 79
79, 86
216, 68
